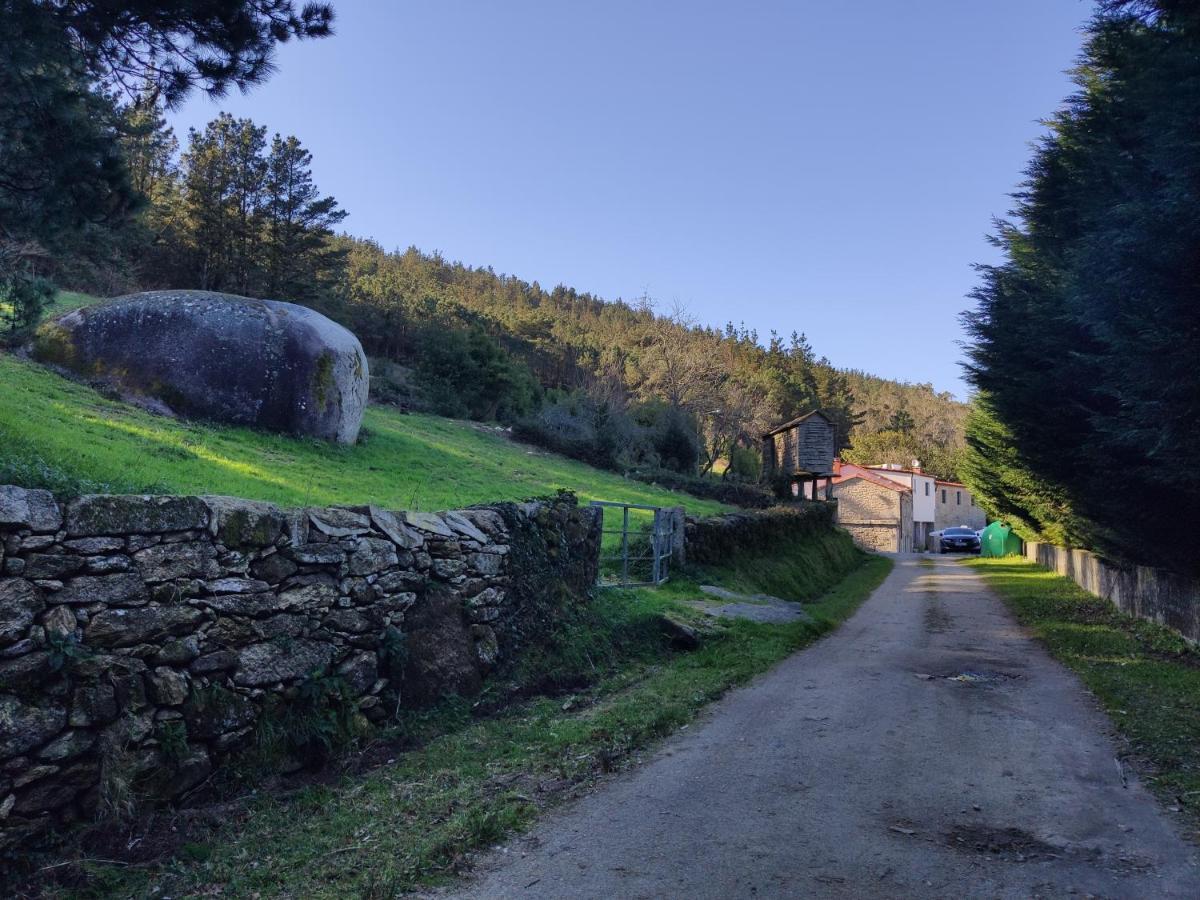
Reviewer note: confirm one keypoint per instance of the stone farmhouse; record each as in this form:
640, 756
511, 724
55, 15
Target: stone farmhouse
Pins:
955, 505
877, 520
876, 510
924, 496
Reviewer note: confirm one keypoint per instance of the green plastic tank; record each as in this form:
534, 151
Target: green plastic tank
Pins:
998, 540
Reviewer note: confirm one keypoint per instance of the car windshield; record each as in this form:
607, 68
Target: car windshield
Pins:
959, 532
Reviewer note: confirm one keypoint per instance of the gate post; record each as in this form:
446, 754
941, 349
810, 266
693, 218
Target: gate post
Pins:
678, 535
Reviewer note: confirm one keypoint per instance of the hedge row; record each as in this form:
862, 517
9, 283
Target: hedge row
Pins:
714, 539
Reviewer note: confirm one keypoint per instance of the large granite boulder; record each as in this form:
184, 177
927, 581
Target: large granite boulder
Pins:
263, 363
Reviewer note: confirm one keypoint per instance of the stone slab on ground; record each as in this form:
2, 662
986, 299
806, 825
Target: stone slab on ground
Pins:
754, 607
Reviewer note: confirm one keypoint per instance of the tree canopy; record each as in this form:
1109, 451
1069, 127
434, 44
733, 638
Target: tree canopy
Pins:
1086, 337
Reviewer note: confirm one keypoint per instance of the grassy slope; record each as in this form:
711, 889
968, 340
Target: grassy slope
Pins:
60, 433
1146, 676
411, 822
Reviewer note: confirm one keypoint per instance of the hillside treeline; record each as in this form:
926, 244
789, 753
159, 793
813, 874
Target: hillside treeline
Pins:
234, 208
1087, 337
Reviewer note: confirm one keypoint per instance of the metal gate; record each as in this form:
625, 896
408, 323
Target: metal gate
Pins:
635, 549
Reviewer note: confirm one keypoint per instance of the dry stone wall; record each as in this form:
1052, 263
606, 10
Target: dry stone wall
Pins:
158, 630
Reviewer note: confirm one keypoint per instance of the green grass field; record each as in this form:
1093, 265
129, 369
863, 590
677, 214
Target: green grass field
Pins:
1147, 676
63, 435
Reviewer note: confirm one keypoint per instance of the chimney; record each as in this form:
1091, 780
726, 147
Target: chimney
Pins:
916, 465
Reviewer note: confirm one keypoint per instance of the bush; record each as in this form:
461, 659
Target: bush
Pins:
677, 444
744, 464
467, 374
594, 432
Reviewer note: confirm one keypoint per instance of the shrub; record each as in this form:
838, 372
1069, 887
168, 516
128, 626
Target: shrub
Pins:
744, 464
595, 432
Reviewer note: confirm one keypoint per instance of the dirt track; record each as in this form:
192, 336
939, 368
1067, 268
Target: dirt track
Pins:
858, 768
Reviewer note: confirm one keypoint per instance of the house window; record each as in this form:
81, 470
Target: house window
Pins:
958, 498
927, 489
943, 495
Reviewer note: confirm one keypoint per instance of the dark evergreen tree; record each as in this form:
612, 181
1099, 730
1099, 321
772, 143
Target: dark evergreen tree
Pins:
1086, 337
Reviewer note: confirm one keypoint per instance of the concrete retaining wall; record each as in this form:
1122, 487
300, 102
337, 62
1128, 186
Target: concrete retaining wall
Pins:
1153, 594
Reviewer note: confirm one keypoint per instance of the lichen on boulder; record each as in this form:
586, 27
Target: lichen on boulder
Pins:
263, 363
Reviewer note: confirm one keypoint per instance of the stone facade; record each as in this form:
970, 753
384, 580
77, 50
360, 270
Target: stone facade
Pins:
955, 505
160, 629
878, 517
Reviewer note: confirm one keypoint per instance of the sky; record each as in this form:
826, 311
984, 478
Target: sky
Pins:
828, 168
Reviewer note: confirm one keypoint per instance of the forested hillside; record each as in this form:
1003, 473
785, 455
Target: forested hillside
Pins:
619, 383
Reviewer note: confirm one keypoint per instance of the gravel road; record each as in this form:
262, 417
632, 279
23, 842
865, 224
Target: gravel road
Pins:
928, 748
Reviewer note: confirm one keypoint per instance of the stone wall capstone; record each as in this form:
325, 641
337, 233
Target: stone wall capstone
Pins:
123, 617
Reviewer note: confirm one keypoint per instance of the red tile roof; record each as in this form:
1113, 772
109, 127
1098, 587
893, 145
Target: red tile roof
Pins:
848, 471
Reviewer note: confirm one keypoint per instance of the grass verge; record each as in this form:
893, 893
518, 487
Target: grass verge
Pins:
1146, 676
413, 820
62, 435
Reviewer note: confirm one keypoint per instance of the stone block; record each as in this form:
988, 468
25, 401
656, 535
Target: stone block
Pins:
101, 514
51, 565
24, 727
273, 569
20, 602
166, 562
126, 627
68, 745
238, 523
126, 588
32, 509
371, 555
486, 564
217, 661
429, 522
389, 523
268, 663
318, 554
59, 622
337, 522
464, 526
167, 686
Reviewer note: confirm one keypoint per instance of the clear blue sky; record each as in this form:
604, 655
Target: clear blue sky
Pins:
828, 167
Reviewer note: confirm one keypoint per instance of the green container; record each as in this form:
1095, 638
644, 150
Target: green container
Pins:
998, 540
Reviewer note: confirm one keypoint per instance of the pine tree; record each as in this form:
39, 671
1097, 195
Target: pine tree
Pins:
300, 261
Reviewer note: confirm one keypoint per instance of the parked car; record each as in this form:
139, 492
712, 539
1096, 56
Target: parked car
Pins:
960, 540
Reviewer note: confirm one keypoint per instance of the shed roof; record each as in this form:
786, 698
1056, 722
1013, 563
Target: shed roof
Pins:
796, 421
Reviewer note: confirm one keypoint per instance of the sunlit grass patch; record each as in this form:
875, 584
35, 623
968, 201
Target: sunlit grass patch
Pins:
61, 434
